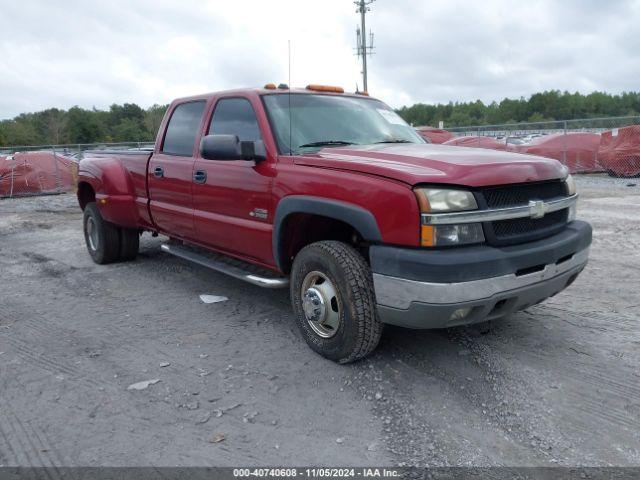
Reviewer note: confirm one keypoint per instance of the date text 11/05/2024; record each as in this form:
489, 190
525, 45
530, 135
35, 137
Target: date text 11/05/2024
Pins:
317, 472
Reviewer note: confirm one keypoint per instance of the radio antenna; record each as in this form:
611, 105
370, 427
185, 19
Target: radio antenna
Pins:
289, 100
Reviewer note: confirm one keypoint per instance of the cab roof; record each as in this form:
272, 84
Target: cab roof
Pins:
268, 91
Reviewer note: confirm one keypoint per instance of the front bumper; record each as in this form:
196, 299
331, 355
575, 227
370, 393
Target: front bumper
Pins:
424, 288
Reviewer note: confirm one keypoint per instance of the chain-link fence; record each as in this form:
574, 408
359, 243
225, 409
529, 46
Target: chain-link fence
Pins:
610, 145
589, 145
48, 169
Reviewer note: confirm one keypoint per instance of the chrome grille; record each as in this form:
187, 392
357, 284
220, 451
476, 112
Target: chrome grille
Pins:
514, 195
520, 230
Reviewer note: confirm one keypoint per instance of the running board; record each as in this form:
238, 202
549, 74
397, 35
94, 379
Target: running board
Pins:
240, 270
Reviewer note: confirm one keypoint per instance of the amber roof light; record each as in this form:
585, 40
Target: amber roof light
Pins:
325, 88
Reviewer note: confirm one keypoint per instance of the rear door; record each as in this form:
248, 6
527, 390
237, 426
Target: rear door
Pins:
232, 198
170, 174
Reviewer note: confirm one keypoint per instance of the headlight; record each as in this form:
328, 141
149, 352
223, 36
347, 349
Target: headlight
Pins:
571, 190
437, 200
571, 185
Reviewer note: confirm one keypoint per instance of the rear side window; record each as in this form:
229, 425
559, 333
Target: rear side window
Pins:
235, 116
183, 129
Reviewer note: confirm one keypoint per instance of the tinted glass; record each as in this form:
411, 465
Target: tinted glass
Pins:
334, 118
235, 116
183, 128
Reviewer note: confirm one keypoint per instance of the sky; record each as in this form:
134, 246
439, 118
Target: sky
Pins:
61, 53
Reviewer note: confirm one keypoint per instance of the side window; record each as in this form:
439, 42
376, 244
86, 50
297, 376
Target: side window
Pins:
235, 116
183, 128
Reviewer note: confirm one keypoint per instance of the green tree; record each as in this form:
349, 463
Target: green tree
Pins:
19, 132
129, 122
55, 122
153, 118
129, 130
85, 126
544, 106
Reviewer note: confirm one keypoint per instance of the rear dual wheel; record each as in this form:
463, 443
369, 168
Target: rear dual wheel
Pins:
334, 301
105, 241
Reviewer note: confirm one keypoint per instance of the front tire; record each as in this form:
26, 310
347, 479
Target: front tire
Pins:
102, 238
334, 301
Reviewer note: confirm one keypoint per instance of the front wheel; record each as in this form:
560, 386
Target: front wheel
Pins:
334, 301
102, 238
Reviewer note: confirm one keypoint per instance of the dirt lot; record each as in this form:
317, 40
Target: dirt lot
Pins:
556, 384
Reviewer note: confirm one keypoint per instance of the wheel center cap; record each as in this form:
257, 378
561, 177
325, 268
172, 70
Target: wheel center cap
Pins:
313, 305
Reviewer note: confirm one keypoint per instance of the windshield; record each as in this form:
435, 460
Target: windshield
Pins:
319, 121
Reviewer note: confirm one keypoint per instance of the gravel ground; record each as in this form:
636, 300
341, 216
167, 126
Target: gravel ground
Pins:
556, 384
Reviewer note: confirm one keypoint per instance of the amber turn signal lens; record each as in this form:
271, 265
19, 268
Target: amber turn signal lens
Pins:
427, 236
423, 200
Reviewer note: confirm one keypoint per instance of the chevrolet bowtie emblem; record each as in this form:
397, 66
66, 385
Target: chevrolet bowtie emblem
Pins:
537, 209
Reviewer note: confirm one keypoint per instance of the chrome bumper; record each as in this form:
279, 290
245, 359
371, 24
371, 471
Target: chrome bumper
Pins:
417, 304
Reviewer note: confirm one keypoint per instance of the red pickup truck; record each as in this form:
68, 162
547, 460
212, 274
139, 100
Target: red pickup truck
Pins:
336, 197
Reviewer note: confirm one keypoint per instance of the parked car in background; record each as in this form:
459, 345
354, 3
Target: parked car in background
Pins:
532, 136
334, 196
434, 135
37, 173
477, 142
578, 151
619, 151
515, 141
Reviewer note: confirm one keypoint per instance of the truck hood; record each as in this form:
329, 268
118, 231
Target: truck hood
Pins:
428, 163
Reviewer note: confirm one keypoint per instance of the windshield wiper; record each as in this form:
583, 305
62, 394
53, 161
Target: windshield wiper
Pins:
395, 140
325, 143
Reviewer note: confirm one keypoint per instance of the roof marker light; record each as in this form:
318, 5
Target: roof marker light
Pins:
270, 86
325, 88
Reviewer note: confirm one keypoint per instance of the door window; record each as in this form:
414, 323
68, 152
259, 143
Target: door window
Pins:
235, 116
183, 129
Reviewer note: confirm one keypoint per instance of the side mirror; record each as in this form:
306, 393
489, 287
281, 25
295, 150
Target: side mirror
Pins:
229, 147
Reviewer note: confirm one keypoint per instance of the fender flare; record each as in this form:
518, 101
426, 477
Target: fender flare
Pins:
113, 189
359, 218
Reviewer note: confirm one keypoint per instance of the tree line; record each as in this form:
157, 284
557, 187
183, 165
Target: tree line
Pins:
131, 123
121, 123
546, 106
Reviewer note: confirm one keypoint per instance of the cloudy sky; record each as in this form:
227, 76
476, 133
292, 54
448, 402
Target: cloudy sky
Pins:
60, 53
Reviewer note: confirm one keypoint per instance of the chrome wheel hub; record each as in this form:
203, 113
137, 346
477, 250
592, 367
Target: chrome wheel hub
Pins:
92, 234
321, 304
313, 305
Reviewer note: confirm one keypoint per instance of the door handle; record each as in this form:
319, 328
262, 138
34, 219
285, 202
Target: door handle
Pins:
158, 172
200, 176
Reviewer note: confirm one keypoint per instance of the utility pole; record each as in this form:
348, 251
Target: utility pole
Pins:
362, 49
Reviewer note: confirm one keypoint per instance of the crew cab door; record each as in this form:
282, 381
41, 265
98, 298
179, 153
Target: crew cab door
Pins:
170, 173
232, 198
